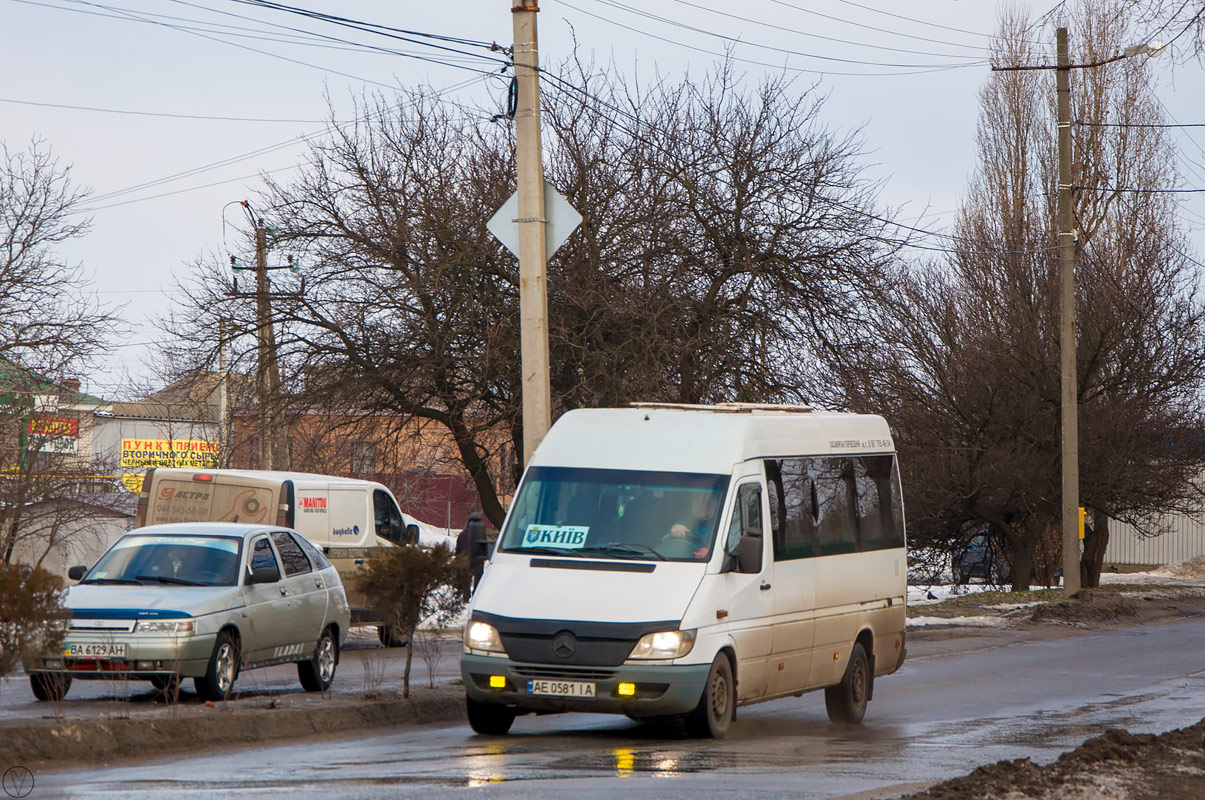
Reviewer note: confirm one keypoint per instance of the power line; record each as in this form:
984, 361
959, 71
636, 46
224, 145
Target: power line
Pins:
586, 95
695, 29
1139, 124
747, 60
920, 21
817, 35
1138, 191
164, 114
229, 162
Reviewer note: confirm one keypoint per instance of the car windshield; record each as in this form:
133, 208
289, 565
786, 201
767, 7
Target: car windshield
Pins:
169, 561
603, 513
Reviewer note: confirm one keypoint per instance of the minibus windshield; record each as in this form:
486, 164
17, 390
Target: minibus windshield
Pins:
605, 513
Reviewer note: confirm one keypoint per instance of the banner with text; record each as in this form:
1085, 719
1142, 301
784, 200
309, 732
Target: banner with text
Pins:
187, 453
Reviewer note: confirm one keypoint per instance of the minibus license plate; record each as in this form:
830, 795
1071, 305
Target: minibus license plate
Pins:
561, 688
95, 650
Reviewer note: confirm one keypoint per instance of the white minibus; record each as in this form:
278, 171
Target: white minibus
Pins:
665, 561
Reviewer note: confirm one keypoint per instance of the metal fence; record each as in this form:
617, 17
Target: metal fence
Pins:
1185, 539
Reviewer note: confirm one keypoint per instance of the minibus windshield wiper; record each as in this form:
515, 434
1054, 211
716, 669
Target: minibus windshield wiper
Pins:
624, 550
544, 550
165, 579
126, 581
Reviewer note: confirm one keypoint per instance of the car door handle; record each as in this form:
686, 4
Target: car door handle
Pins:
284, 591
318, 583
765, 587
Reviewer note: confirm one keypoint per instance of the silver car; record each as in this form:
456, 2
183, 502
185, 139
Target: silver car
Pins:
200, 600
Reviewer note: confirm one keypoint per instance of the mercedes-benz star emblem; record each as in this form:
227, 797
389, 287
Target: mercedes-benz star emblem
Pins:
564, 645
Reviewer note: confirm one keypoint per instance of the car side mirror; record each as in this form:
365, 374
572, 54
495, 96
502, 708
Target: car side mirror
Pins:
77, 573
265, 575
749, 552
411, 534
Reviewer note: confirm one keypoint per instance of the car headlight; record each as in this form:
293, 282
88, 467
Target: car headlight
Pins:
663, 644
483, 636
165, 626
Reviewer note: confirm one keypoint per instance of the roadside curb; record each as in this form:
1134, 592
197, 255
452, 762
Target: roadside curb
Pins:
91, 741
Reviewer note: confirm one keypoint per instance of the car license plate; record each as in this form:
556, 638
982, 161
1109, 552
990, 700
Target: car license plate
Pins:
95, 650
561, 688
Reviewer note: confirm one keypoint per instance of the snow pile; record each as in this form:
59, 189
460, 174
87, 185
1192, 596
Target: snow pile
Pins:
929, 595
1193, 569
972, 622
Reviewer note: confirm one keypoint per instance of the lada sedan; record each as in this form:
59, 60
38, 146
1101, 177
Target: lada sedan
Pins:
203, 601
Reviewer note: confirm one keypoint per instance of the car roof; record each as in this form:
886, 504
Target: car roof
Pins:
240, 529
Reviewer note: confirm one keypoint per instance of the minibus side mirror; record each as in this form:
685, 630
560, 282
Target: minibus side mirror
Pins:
265, 575
411, 534
77, 573
749, 552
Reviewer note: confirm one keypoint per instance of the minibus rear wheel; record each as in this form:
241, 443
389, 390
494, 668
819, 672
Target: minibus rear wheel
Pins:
846, 702
717, 706
489, 718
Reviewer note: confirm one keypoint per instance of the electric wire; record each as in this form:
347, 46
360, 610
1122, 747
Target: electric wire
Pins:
695, 29
920, 21
586, 95
164, 114
809, 34
753, 62
874, 28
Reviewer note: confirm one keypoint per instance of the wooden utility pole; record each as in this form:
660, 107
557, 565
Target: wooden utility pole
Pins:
533, 277
1069, 382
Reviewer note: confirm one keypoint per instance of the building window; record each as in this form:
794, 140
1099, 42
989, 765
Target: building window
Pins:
363, 457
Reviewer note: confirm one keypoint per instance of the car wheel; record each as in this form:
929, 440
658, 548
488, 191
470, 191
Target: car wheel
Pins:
846, 702
388, 638
222, 670
489, 718
717, 707
317, 673
49, 685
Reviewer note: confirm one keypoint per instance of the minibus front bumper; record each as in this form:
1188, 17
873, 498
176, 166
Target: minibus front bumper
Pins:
652, 690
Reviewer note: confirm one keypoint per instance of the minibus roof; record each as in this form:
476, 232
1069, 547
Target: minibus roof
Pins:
705, 439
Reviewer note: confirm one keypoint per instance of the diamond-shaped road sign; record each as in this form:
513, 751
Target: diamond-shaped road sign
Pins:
563, 220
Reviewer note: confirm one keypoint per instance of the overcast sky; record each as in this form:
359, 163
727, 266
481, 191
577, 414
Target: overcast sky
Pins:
160, 182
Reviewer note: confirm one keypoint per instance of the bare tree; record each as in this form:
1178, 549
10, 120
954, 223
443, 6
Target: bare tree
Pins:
46, 323
966, 357
726, 231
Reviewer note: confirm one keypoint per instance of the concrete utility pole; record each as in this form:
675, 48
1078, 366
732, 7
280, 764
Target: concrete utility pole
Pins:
263, 328
533, 276
1069, 381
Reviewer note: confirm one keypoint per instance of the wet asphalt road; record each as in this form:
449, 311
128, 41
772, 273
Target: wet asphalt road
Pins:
940, 716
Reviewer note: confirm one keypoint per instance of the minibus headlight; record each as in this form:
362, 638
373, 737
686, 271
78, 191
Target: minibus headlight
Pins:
482, 636
664, 644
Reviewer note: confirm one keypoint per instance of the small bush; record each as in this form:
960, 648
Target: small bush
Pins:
409, 584
32, 616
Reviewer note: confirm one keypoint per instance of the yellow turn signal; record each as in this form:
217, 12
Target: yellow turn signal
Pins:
497, 681
626, 689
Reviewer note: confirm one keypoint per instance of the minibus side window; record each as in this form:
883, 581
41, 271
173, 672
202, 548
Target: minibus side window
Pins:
792, 494
746, 514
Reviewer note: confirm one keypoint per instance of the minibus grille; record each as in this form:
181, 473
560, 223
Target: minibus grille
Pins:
554, 674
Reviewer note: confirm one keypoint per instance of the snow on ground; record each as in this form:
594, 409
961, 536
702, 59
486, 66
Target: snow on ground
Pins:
980, 621
920, 595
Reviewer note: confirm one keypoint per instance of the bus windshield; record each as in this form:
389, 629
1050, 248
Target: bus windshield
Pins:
603, 513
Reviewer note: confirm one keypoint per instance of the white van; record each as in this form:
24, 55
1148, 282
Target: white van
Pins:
346, 517
669, 560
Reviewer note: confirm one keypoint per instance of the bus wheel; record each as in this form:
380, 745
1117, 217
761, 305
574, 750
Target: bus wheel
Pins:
717, 706
846, 702
488, 718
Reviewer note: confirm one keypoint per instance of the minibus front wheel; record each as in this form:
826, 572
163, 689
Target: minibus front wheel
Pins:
846, 702
717, 707
489, 718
